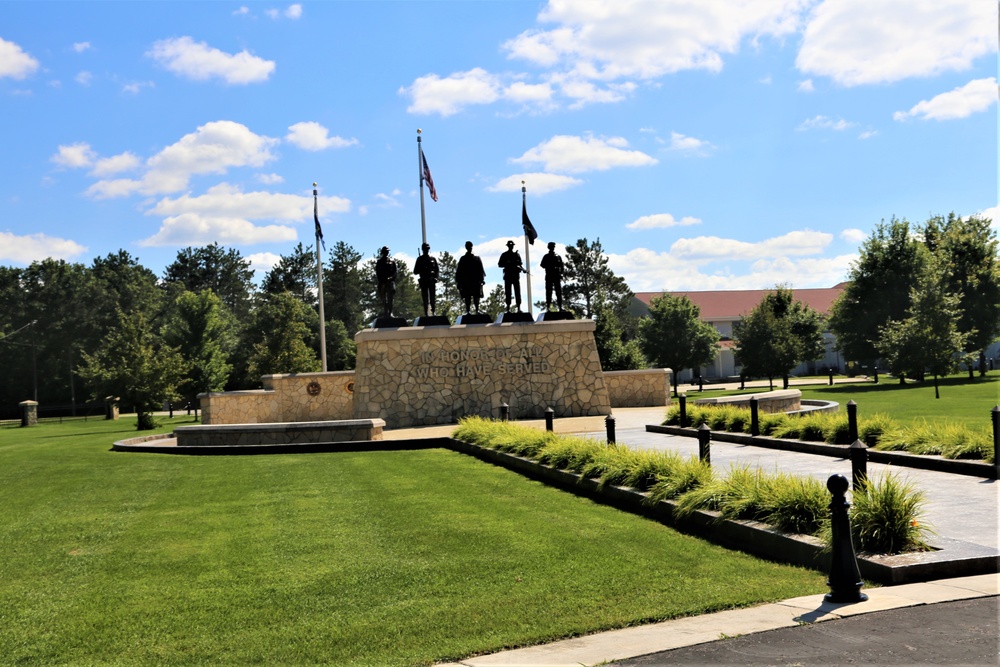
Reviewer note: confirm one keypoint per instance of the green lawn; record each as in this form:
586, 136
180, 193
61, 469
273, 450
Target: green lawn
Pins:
962, 400
380, 558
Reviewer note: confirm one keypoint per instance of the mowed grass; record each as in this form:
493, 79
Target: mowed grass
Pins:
379, 558
962, 400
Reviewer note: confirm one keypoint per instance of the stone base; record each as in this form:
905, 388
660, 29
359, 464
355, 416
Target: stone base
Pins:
431, 321
474, 318
437, 375
554, 316
388, 322
279, 433
514, 318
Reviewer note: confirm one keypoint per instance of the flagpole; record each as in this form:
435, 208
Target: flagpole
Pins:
420, 171
319, 271
527, 255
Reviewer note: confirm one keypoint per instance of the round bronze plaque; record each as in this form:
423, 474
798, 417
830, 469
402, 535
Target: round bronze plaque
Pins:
350, 387
313, 388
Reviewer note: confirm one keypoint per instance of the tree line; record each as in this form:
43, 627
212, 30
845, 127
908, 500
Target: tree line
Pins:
922, 299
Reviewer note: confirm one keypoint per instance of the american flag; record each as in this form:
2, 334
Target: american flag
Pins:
427, 177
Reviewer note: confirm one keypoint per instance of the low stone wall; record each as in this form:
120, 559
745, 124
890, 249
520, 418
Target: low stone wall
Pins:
638, 389
292, 397
783, 400
435, 375
279, 434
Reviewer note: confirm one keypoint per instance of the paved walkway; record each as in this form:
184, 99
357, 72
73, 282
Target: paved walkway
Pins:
957, 506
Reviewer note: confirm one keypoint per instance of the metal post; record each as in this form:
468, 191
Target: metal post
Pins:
995, 413
504, 412
682, 400
705, 444
701, 384
420, 170
852, 421
754, 417
319, 282
845, 576
609, 424
831, 377
859, 463
549, 414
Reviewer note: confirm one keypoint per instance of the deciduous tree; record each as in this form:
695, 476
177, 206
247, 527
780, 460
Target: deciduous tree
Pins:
674, 336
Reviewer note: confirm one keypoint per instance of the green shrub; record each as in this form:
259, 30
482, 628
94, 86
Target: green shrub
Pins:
739, 420
636, 468
838, 430
769, 422
682, 474
787, 428
813, 426
877, 426
735, 496
696, 415
886, 516
795, 504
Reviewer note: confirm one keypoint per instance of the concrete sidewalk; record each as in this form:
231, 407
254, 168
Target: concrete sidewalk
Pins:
797, 614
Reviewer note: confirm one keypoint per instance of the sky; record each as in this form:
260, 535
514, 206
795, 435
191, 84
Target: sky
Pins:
708, 144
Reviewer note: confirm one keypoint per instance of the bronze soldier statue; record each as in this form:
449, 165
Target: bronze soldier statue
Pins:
385, 276
426, 267
470, 278
553, 265
513, 267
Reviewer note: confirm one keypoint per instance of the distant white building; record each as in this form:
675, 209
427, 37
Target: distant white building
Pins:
722, 309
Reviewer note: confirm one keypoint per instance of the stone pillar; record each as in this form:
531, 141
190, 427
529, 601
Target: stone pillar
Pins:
111, 407
29, 413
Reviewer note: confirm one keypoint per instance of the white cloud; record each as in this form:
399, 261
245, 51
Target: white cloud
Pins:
973, 97
806, 86
242, 11
115, 164
80, 47
993, 214
294, 11
74, 156
579, 154
648, 38
679, 142
868, 134
192, 229
270, 179
432, 94
388, 200
662, 221
824, 123
31, 247
713, 248
14, 62
272, 13
647, 270
520, 91
84, 78
585, 92
857, 42
136, 87
213, 148
312, 136
197, 60
262, 262
228, 201
538, 183
853, 235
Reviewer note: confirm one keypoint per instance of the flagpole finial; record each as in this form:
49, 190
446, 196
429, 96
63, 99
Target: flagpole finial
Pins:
523, 189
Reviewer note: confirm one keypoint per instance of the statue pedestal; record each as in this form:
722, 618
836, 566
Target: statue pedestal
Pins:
431, 321
474, 318
436, 375
388, 322
555, 316
513, 318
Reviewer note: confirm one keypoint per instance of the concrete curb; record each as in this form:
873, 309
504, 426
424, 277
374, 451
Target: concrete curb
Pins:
921, 461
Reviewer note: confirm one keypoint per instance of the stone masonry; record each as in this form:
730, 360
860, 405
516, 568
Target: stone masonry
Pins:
436, 375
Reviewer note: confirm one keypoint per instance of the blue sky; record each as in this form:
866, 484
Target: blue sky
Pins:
709, 144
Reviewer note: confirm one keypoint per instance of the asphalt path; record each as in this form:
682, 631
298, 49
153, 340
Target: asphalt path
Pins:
963, 632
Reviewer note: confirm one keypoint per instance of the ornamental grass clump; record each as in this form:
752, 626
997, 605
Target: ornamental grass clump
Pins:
876, 427
570, 453
502, 436
886, 516
696, 416
795, 504
682, 474
949, 440
770, 422
735, 496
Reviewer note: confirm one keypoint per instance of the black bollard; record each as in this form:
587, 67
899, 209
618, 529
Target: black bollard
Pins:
852, 421
701, 384
609, 424
859, 463
549, 414
743, 381
995, 413
705, 444
845, 577
831, 377
683, 401
504, 412
754, 417
876, 373
170, 406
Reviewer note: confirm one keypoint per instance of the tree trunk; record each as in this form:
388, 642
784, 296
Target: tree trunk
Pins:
937, 394
770, 381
